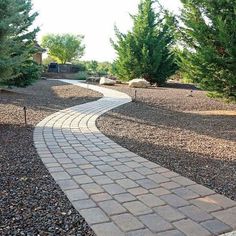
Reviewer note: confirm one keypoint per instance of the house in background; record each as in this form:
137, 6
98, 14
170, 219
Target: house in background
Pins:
38, 56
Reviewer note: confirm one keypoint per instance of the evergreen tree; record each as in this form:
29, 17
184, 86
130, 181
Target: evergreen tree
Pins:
209, 44
146, 51
6, 18
17, 42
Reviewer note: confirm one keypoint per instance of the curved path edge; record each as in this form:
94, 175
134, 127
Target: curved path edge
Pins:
117, 191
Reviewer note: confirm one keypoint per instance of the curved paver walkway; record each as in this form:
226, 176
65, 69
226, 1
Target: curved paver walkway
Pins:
117, 191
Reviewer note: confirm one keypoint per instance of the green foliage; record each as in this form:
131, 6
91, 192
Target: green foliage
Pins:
221, 96
78, 66
92, 66
208, 40
146, 51
104, 68
64, 47
28, 72
97, 68
17, 39
82, 75
48, 60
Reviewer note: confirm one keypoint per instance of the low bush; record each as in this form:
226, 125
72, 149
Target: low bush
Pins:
82, 75
28, 72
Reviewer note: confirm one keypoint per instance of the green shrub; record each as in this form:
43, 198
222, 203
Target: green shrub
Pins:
82, 75
28, 72
147, 50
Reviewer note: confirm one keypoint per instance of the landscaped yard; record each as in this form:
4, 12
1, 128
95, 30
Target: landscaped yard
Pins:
194, 136
79, 159
30, 201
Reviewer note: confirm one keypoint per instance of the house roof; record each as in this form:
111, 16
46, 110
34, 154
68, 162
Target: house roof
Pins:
39, 48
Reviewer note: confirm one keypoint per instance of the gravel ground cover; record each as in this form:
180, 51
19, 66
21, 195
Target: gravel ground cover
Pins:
192, 135
31, 203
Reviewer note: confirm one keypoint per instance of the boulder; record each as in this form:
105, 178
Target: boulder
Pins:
106, 81
139, 83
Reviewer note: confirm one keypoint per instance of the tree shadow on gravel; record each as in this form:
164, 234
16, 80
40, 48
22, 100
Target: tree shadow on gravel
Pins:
181, 86
216, 174
30, 200
216, 126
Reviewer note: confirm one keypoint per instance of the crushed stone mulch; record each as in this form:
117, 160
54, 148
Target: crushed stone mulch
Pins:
31, 203
184, 131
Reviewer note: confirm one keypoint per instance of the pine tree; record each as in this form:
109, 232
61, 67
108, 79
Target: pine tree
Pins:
17, 42
6, 18
209, 44
146, 51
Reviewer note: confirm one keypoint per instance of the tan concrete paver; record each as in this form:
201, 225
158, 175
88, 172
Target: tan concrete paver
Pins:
83, 179
127, 222
92, 188
216, 227
124, 197
137, 208
107, 229
169, 213
94, 215
126, 183
84, 204
114, 189
155, 223
185, 193
118, 192
141, 232
151, 200
112, 207
102, 179
227, 216
159, 191
191, 228
195, 213
174, 200
100, 197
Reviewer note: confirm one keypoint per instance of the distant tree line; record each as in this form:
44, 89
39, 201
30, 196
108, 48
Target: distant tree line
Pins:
95, 68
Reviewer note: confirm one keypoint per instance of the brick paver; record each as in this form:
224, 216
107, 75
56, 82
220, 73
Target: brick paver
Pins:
115, 190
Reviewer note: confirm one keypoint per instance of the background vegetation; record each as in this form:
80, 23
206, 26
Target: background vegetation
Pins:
200, 45
64, 48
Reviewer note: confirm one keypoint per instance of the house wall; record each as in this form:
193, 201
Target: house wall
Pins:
38, 58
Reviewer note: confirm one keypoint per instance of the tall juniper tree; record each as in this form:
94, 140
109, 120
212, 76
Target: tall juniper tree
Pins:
17, 42
146, 51
208, 38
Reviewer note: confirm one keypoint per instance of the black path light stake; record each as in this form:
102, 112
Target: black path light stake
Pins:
135, 95
24, 108
190, 94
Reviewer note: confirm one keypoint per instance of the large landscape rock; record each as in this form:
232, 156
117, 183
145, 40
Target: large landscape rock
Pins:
106, 81
139, 83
